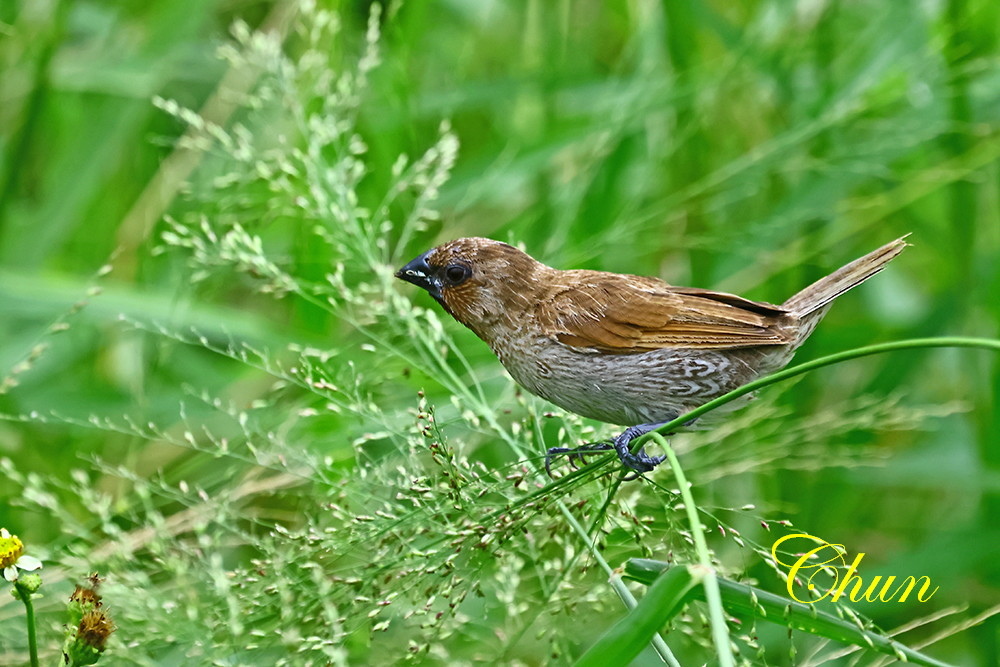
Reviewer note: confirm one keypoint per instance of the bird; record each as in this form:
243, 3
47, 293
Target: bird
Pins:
623, 349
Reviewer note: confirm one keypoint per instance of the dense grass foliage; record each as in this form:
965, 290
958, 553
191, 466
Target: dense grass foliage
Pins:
214, 393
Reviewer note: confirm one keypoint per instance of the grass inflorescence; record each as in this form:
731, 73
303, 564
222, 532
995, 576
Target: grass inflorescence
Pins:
276, 454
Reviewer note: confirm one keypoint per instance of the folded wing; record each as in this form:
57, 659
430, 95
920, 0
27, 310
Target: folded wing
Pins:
618, 314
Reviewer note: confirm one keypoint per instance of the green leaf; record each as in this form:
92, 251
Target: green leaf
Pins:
744, 600
626, 638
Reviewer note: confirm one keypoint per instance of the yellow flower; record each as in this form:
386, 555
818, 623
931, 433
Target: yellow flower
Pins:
12, 558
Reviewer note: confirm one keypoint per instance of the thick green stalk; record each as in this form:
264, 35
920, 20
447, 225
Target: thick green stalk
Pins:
29, 614
716, 614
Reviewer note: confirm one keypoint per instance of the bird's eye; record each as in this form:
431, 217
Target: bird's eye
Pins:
456, 274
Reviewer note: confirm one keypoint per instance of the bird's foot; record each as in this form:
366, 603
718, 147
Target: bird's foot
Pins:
640, 461
575, 454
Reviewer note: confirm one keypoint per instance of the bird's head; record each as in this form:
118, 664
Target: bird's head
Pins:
481, 282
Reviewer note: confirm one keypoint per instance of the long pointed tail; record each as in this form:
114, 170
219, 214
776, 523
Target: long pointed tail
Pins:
825, 290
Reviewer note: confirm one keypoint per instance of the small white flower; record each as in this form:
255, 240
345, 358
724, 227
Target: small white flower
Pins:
12, 558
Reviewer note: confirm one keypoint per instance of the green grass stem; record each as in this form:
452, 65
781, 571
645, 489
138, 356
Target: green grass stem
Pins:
29, 617
716, 614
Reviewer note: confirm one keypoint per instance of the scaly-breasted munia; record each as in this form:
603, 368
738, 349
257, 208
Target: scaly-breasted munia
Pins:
620, 348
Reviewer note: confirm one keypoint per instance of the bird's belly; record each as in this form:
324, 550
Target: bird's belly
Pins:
626, 389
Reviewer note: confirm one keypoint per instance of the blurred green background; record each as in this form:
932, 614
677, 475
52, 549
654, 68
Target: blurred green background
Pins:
748, 147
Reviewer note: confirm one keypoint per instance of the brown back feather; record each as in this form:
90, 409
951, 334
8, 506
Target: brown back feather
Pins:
619, 314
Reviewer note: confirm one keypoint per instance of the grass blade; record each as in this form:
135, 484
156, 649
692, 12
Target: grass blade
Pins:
744, 600
664, 599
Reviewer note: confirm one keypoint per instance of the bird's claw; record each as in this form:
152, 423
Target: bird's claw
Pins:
640, 462
579, 454
575, 454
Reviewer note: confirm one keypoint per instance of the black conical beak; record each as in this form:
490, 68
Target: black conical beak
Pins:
420, 273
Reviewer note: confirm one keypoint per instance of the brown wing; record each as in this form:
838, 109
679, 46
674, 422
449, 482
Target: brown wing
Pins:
628, 314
